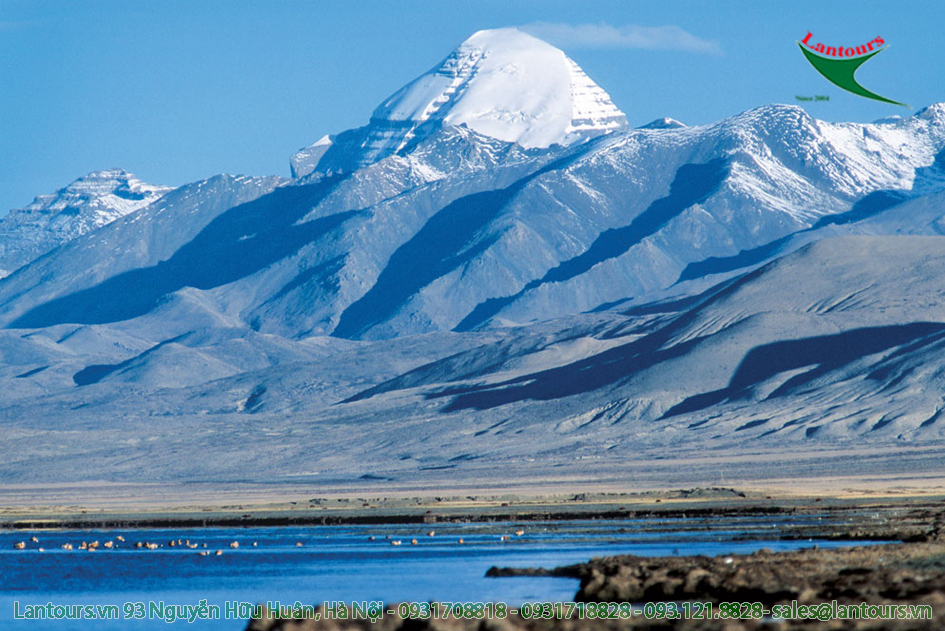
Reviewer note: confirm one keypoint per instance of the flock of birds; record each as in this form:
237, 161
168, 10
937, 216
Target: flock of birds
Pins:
92, 546
432, 533
185, 543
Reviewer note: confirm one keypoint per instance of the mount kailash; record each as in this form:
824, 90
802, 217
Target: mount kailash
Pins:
494, 276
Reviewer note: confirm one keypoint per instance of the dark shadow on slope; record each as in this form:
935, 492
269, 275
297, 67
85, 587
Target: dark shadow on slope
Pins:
824, 353
324, 274
676, 305
603, 369
352, 149
444, 243
96, 372
692, 184
586, 375
607, 306
449, 239
236, 244
254, 400
893, 369
30, 373
470, 364
873, 204
932, 419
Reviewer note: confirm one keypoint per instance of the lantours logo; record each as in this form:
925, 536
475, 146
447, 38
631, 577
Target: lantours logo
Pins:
838, 64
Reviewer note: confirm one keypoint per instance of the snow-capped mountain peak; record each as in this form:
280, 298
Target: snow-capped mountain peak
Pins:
107, 194
501, 83
88, 203
508, 85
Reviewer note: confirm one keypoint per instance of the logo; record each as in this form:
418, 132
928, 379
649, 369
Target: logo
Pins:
838, 65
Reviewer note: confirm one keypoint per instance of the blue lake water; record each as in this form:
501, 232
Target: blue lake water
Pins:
340, 563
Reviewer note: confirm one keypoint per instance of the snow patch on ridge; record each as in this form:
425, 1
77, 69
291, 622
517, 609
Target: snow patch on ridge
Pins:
306, 159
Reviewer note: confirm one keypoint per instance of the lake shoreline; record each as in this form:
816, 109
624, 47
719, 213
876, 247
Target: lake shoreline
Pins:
881, 516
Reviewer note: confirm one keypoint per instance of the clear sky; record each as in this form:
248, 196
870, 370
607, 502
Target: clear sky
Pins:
178, 91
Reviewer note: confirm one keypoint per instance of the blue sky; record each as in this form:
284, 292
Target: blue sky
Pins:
178, 91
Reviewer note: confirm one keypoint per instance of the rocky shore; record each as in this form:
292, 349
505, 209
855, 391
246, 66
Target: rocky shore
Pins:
908, 573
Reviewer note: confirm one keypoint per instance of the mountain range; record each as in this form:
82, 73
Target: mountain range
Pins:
494, 276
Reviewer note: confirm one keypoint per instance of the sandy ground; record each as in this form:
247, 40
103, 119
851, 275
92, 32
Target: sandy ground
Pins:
840, 474
106, 505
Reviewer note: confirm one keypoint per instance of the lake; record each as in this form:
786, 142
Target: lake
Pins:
341, 563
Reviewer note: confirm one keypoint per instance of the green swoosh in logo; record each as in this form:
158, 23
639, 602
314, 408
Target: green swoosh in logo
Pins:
840, 72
